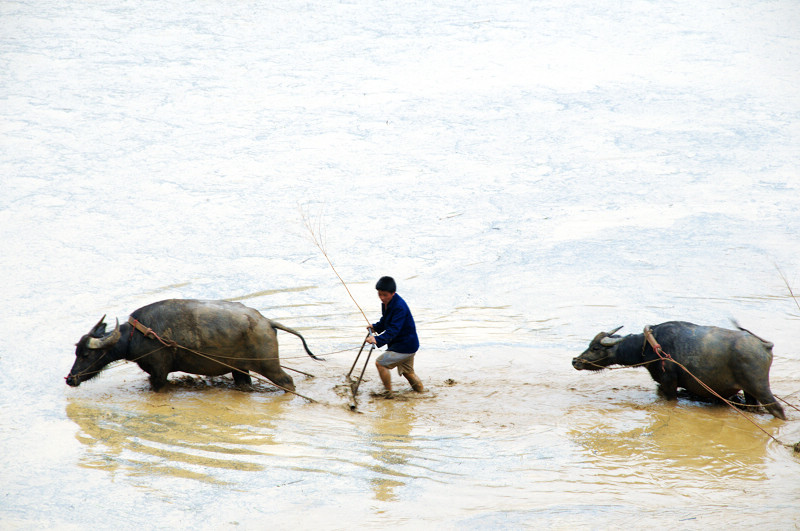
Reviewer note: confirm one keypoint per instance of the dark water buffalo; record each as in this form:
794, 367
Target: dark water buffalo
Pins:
728, 361
238, 336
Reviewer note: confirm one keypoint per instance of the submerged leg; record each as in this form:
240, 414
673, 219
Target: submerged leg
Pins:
416, 383
386, 376
769, 402
749, 399
756, 388
242, 378
158, 381
278, 377
777, 410
668, 387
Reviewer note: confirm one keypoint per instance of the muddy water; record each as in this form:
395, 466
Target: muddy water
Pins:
498, 443
531, 174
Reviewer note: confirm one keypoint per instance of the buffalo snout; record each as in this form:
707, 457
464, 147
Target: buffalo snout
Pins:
582, 364
591, 361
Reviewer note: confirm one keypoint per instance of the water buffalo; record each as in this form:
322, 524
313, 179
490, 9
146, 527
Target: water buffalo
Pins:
728, 361
239, 337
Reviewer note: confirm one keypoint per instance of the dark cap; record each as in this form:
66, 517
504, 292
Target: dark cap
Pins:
386, 284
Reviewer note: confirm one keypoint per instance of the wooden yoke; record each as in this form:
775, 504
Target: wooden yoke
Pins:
648, 335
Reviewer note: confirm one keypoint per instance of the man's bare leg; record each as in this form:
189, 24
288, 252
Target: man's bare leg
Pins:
416, 383
386, 376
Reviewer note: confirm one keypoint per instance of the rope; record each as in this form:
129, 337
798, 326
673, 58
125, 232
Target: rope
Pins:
663, 356
150, 333
287, 357
113, 364
788, 404
256, 376
87, 371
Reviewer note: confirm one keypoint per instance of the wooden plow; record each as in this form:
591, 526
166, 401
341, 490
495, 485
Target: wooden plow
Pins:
354, 384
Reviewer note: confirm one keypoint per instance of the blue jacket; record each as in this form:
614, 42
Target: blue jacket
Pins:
396, 327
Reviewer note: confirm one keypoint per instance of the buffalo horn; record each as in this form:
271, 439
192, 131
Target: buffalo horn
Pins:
107, 341
609, 341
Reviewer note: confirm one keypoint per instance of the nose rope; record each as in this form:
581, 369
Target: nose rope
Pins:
594, 363
87, 371
136, 324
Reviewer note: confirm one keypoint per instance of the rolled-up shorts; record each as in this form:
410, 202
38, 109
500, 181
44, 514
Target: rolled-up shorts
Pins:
391, 359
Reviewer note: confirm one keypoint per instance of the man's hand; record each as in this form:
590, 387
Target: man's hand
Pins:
371, 339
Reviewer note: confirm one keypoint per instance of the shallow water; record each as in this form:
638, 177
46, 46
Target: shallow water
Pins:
530, 173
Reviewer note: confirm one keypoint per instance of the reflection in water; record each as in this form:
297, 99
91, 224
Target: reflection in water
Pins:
705, 446
163, 434
391, 444
479, 455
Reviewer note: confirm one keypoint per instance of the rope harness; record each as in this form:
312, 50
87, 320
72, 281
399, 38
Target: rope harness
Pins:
150, 333
648, 335
168, 343
664, 357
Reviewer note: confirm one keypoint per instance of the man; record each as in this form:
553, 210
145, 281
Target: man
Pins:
397, 330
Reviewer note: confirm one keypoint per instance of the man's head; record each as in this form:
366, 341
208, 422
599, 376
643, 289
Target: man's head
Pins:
386, 287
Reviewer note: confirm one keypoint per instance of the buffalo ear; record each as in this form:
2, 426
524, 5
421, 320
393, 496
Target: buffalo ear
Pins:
99, 330
105, 342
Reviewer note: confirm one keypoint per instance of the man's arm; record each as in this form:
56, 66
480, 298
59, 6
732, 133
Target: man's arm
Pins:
393, 322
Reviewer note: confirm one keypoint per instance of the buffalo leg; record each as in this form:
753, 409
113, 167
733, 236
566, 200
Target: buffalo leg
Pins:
158, 381
669, 385
767, 400
242, 378
277, 376
776, 409
749, 399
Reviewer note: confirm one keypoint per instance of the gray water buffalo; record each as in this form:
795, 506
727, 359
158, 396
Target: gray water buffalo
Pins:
728, 361
203, 337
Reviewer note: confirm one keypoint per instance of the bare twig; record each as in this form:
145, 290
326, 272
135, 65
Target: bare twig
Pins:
318, 237
788, 286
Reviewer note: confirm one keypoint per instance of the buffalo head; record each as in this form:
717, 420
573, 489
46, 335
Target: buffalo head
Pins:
92, 353
600, 353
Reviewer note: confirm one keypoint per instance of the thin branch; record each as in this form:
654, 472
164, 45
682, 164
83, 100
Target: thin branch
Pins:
789, 287
318, 237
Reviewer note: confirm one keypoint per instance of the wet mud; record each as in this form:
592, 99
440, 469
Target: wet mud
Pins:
501, 436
